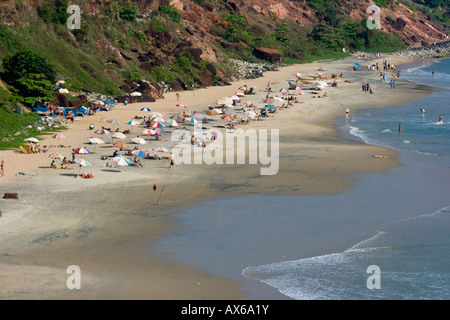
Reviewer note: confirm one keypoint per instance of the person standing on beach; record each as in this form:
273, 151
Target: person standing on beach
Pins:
172, 161
2, 168
347, 111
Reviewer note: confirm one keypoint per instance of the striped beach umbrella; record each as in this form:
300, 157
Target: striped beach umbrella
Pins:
121, 161
82, 163
146, 109
160, 130
158, 119
172, 123
139, 153
148, 132
82, 151
157, 125
132, 123
56, 156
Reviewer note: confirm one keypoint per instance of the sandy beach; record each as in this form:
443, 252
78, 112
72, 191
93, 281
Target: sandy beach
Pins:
100, 224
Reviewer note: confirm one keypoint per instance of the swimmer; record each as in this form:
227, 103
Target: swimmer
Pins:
440, 119
423, 112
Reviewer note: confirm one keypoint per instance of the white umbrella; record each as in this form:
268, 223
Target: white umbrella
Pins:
119, 135
31, 139
96, 140
139, 141
135, 94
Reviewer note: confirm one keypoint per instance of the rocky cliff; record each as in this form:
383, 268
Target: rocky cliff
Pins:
163, 32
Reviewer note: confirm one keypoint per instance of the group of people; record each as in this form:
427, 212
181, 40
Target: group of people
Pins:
366, 88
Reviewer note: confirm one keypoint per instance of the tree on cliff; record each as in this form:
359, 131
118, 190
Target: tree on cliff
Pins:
30, 74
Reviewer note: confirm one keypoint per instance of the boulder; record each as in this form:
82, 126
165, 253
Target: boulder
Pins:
62, 101
268, 54
150, 89
11, 196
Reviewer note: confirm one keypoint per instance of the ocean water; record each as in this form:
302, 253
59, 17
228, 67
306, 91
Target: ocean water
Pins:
274, 240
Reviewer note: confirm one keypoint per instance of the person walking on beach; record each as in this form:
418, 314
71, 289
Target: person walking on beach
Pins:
178, 96
172, 161
2, 168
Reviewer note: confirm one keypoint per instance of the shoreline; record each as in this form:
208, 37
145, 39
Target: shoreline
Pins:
318, 125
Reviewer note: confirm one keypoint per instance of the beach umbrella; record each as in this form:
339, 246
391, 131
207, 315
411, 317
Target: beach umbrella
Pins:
113, 122
160, 130
146, 109
250, 114
96, 140
160, 149
284, 91
182, 105
121, 161
82, 163
31, 139
213, 112
139, 153
158, 119
102, 131
155, 114
158, 125
138, 140
135, 94
192, 120
120, 144
132, 123
297, 74
172, 123
82, 151
59, 135
56, 156
119, 135
149, 132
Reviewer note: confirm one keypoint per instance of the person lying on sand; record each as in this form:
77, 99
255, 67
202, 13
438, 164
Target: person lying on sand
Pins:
379, 156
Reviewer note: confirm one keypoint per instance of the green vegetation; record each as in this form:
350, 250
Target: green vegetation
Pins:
14, 128
172, 12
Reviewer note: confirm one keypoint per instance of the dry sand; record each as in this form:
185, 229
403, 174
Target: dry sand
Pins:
99, 223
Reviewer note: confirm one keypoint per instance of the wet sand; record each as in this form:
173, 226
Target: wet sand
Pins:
101, 224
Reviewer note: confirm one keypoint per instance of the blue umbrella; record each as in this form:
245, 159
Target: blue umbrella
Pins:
271, 106
357, 64
146, 109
